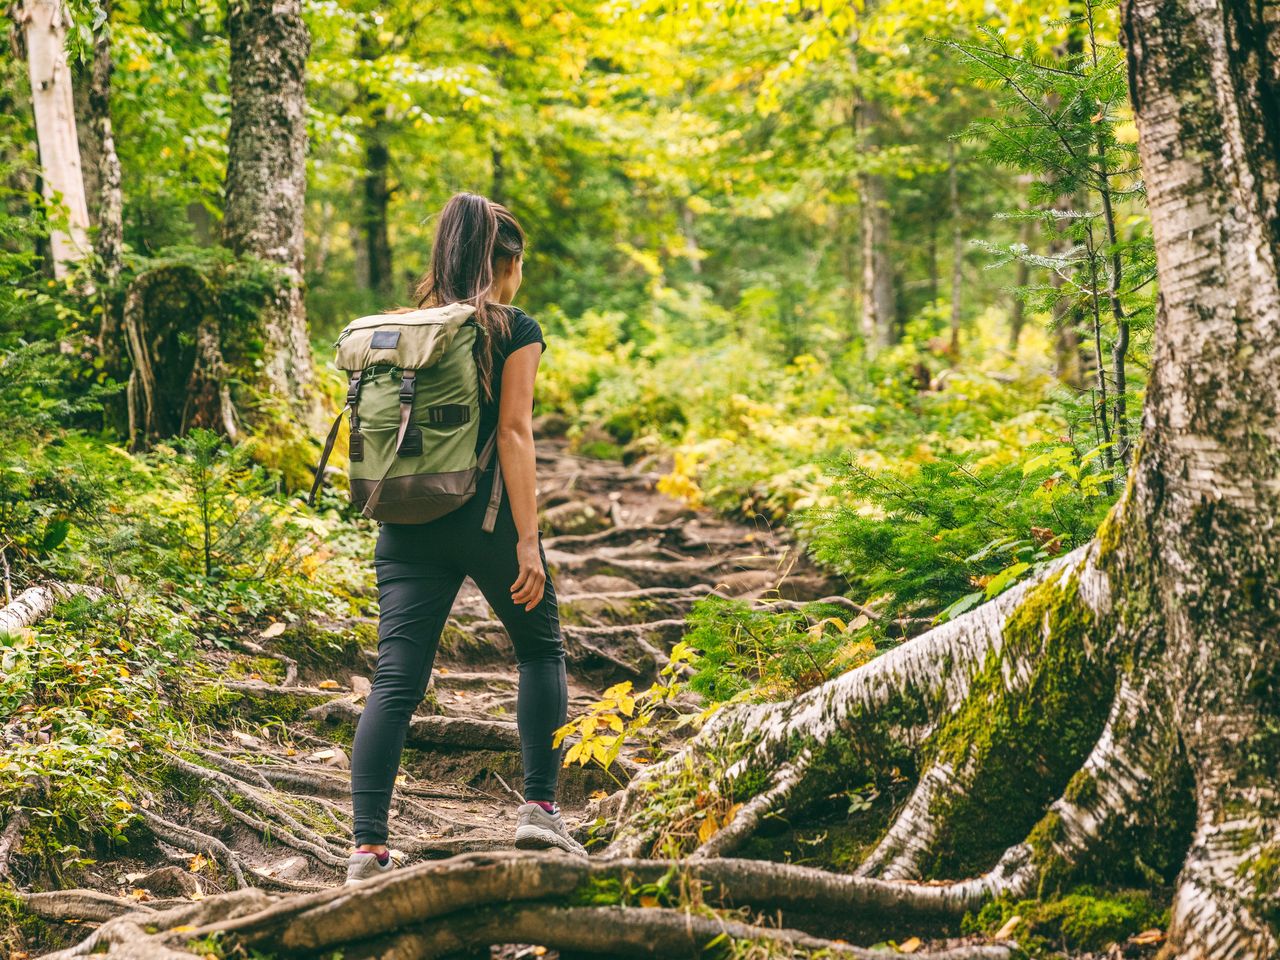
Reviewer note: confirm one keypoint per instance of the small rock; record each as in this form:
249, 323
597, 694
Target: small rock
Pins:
338, 760
170, 882
576, 517
360, 686
287, 869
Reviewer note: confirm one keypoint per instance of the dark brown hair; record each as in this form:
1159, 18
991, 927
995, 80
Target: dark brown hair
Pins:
472, 235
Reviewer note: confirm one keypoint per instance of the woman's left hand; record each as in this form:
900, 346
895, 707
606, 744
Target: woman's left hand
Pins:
528, 588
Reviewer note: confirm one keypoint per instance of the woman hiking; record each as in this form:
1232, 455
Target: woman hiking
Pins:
477, 259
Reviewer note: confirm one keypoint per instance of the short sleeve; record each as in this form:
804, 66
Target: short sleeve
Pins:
524, 331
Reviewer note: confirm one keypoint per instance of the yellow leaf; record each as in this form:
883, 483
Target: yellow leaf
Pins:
731, 813
615, 722
648, 900
273, 630
599, 794
1147, 937
329, 685
910, 945
707, 829
183, 928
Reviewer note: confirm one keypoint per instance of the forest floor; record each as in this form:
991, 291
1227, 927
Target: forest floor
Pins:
266, 796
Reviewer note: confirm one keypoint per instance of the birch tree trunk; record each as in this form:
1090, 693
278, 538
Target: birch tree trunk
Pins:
266, 173
1204, 78
53, 102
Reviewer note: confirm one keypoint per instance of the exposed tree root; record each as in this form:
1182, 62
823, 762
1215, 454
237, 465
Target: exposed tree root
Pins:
622, 932
195, 840
729, 837
476, 900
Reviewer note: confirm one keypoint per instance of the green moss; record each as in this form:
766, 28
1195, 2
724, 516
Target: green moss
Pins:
214, 704
1085, 919
1263, 871
597, 892
1082, 790
18, 927
268, 668
1023, 746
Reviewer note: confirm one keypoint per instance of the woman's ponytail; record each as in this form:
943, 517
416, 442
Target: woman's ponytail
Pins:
472, 235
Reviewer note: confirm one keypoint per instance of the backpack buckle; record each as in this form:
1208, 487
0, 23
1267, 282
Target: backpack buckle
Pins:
407, 383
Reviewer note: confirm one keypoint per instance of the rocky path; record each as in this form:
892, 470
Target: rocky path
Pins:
265, 801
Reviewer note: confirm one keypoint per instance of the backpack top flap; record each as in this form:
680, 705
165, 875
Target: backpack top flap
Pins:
413, 340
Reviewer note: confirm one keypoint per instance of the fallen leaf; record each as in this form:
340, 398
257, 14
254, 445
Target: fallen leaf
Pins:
707, 829
1010, 925
910, 945
539, 951
1147, 937
648, 900
599, 794
329, 685
273, 630
198, 863
137, 893
323, 755
183, 928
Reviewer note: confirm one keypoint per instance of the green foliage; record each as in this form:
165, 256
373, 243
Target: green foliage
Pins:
927, 534
744, 650
83, 692
1085, 919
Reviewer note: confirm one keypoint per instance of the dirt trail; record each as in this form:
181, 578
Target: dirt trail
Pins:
266, 800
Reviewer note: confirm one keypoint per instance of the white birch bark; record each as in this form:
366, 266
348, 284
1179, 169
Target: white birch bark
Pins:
53, 103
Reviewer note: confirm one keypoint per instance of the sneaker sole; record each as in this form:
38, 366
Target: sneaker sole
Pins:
537, 838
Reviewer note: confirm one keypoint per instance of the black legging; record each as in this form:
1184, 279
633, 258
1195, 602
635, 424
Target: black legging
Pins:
420, 568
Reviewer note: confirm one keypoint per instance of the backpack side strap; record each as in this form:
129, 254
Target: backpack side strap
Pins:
357, 439
490, 452
324, 458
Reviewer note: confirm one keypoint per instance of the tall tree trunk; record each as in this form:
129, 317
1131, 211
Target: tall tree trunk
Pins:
1205, 83
957, 246
101, 164
374, 268
53, 102
1018, 309
879, 313
377, 201
498, 187
266, 173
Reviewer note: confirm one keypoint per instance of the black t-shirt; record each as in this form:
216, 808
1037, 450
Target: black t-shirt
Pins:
524, 330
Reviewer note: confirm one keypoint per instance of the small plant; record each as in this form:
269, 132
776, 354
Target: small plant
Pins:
621, 714
939, 537
743, 650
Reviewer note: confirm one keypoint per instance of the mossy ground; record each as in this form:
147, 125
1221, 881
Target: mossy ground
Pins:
1087, 918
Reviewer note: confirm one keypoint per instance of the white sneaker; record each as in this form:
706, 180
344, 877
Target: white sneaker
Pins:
538, 830
363, 865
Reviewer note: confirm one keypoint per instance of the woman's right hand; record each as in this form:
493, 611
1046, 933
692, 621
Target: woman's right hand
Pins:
532, 581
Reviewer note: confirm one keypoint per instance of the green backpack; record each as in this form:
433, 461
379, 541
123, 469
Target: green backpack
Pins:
414, 398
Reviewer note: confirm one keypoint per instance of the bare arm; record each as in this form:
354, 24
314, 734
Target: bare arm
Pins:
515, 453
